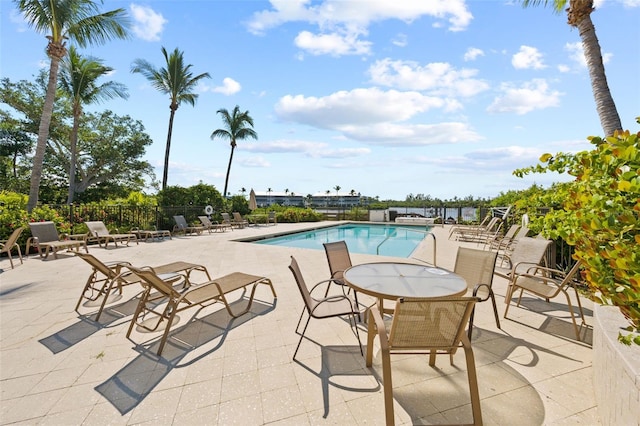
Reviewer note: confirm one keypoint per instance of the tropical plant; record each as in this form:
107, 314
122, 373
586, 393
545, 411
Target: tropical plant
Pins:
237, 125
600, 217
337, 188
79, 21
178, 82
78, 80
579, 16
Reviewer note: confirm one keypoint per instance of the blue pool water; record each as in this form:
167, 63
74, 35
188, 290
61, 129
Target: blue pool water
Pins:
385, 240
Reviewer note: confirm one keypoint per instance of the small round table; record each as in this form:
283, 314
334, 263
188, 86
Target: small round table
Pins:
392, 280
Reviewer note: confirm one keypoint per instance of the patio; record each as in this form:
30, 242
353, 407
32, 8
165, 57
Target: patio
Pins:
58, 367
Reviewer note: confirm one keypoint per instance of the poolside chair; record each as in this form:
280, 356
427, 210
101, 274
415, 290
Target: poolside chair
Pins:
239, 221
99, 232
226, 220
158, 290
212, 226
502, 240
481, 235
104, 276
272, 218
182, 226
482, 225
527, 252
434, 326
548, 283
476, 267
45, 238
6, 246
339, 261
327, 307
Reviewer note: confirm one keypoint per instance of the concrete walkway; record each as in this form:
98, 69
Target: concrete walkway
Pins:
61, 368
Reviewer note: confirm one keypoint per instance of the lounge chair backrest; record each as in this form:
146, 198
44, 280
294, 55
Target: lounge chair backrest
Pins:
429, 323
181, 222
475, 266
338, 258
226, 218
302, 286
205, 221
147, 275
97, 228
12, 240
237, 217
45, 232
97, 264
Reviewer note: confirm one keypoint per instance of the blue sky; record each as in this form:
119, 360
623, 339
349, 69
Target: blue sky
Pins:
388, 98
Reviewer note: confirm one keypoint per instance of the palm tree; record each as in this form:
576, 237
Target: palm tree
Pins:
579, 16
76, 20
337, 188
177, 81
237, 126
78, 80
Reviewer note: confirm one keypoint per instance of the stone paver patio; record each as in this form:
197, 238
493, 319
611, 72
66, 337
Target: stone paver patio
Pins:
61, 368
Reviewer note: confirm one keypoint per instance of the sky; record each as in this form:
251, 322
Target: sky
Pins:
387, 98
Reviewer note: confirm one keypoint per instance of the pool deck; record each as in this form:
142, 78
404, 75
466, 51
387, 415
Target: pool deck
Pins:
61, 368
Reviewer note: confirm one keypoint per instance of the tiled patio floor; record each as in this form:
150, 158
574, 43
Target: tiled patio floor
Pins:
61, 368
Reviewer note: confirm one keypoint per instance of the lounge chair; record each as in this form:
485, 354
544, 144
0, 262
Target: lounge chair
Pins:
99, 232
182, 226
548, 283
272, 218
45, 238
226, 220
213, 226
145, 234
435, 326
6, 246
239, 221
157, 291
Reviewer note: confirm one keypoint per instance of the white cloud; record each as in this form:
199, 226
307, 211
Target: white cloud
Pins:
564, 68
438, 78
254, 162
576, 54
309, 149
341, 23
400, 40
229, 87
396, 135
332, 44
528, 57
503, 158
147, 23
631, 3
530, 96
472, 54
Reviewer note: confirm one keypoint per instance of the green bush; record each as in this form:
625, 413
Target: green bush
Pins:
600, 217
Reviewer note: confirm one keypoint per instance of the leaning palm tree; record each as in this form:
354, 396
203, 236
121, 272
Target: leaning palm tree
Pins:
579, 16
76, 20
178, 82
237, 126
78, 80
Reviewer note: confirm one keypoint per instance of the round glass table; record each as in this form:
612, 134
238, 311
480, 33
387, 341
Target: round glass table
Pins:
392, 280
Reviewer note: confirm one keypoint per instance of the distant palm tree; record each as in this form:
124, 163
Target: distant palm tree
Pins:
178, 82
337, 188
76, 20
579, 16
352, 192
78, 80
237, 126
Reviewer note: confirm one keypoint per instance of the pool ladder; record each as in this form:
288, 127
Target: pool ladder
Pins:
428, 234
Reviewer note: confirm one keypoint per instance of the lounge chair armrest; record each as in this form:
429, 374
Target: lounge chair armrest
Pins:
323, 282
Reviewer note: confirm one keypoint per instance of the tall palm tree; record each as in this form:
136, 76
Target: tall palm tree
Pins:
78, 80
177, 81
579, 16
61, 20
337, 188
237, 126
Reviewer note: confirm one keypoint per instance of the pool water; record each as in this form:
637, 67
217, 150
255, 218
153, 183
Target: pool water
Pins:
384, 240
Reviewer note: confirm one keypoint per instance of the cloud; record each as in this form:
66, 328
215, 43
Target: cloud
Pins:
400, 40
341, 23
493, 159
472, 54
147, 24
332, 44
521, 100
438, 78
528, 57
406, 135
254, 162
631, 3
309, 149
229, 87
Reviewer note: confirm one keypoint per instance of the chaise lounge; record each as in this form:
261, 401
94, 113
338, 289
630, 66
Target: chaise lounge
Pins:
99, 232
45, 238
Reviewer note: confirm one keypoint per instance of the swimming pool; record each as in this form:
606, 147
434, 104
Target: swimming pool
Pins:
385, 240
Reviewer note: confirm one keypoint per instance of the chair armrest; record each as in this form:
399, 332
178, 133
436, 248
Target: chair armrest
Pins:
330, 280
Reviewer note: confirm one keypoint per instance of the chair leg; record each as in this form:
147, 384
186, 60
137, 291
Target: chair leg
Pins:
165, 335
495, 309
301, 336
473, 313
473, 384
387, 386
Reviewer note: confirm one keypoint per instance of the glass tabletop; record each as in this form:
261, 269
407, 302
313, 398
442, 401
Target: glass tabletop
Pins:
391, 280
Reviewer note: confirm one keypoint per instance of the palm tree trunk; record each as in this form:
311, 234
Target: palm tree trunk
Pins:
73, 142
43, 134
226, 181
606, 108
165, 173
